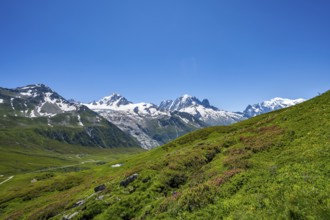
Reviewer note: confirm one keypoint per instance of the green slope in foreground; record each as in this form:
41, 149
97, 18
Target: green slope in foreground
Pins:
274, 166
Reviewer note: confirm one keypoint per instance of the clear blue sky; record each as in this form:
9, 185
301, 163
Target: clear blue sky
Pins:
233, 52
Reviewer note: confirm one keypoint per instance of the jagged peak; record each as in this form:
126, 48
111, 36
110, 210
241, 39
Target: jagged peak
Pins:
186, 97
206, 103
113, 96
184, 101
115, 99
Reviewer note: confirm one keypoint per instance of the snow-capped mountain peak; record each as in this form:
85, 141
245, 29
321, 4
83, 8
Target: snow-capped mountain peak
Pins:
183, 102
34, 90
46, 101
283, 102
114, 99
116, 102
201, 110
186, 97
270, 105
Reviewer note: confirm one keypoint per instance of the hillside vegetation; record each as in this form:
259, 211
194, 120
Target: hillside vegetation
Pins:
273, 166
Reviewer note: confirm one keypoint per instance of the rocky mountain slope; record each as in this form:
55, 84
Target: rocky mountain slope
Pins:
38, 108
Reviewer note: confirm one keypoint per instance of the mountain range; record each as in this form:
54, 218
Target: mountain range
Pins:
268, 106
154, 125
96, 123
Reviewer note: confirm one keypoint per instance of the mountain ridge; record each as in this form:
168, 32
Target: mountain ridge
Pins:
40, 109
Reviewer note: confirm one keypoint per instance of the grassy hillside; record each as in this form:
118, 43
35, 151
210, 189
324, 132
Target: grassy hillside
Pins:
274, 166
34, 145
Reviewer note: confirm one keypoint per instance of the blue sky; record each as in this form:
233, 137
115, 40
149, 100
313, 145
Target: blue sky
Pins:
234, 53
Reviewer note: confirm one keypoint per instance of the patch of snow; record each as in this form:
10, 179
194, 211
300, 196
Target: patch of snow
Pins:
29, 93
32, 114
185, 120
12, 106
140, 109
79, 120
25, 87
185, 97
48, 122
116, 165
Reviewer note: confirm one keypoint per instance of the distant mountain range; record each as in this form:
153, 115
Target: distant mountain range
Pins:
97, 123
268, 106
154, 125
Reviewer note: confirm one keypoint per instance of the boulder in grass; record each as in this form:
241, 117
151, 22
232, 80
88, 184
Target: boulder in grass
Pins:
99, 188
128, 180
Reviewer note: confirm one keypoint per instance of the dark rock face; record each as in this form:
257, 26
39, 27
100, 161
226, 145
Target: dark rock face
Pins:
99, 188
128, 180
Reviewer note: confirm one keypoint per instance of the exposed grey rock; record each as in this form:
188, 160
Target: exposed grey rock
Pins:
79, 203
128, 180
